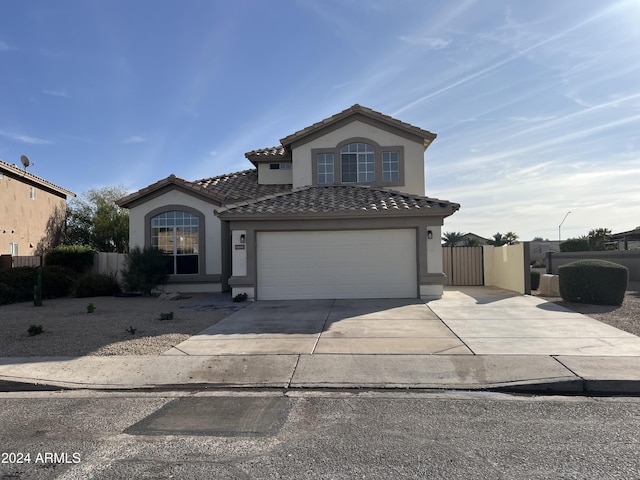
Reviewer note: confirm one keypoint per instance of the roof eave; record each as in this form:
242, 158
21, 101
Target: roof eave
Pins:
438, 213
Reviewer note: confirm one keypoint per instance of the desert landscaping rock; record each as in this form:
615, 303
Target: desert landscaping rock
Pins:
69, 330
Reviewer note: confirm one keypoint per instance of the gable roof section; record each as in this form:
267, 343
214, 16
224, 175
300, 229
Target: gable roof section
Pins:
242, 185
365, 113
271, 154
165, 184
338, 201
223, 189
16, 172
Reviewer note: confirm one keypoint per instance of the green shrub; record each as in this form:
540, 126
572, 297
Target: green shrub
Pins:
593, 281
16, 284
575, 245
96, 285
539, 263
535, 280
78, 258
56, 281
144, 269
34, 330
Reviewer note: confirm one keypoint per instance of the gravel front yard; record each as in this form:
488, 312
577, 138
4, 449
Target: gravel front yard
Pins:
69, 330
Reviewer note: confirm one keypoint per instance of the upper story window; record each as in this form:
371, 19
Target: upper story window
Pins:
390, 167
32, 193
176, 233
359, 161
325, 168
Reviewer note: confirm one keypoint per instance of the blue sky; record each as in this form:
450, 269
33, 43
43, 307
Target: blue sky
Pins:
536, 104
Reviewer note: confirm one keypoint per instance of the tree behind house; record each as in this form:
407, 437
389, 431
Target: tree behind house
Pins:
94, 219
452, 239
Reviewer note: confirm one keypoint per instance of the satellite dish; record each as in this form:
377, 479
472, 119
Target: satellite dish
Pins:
25, 161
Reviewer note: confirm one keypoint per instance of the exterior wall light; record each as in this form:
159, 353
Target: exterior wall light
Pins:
429, 234
242, 238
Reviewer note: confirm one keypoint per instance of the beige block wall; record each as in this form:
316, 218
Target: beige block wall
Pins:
507, 267
413, 154
26, 221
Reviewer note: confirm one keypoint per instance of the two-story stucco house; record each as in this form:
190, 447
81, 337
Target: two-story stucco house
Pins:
337, 210
32, 212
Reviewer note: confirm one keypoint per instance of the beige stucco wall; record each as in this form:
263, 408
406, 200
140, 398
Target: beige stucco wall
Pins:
24, 220
507, 267
413, 154
266, 176
212, 245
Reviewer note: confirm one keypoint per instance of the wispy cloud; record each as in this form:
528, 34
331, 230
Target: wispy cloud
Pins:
4, 46
57, 93
431, 42
134, 139
18, 137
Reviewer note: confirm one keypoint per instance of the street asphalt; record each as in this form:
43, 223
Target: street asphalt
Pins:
474, 338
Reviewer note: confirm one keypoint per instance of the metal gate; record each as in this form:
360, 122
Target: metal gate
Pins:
463, 265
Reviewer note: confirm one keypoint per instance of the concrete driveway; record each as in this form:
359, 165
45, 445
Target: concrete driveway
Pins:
466, 321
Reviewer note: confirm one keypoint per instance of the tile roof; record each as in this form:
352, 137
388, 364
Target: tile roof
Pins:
170, 180
265, 154
14, 169
241, 186
339, 201
368, 112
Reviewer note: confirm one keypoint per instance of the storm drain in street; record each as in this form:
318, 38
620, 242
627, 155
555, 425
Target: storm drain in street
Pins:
216, 416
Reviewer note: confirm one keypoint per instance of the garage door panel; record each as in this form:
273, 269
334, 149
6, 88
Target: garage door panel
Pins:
337, 264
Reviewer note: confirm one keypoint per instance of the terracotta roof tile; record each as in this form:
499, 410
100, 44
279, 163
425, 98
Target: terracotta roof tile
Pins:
170, 180
337, 200
425, 134
241, 186
14, 169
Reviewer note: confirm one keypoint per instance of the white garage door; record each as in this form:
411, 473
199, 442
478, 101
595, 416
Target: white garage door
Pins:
337, 264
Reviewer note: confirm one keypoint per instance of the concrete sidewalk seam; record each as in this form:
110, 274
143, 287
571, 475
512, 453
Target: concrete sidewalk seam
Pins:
449, 328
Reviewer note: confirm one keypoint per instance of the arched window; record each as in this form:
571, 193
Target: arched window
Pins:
176, 233
358, 163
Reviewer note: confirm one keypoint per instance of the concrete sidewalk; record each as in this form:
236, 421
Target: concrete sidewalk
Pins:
473, 338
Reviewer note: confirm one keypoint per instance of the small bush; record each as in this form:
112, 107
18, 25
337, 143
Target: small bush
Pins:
56, 281
241, 297
78, 258
575, 245
34, 330
166, 316
539, 263
144, 270
596, 282
535, 280
91, 308
96, 285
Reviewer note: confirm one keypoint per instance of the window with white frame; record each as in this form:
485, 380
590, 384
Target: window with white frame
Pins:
177, 234
32, 193
390, 167
324, 165
358, 163
13, 249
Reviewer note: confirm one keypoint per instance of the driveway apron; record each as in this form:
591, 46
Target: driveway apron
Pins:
466, 321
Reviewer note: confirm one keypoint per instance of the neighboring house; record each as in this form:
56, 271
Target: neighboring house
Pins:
472, 237
538, 249
32, 212
337, 210
627, 240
